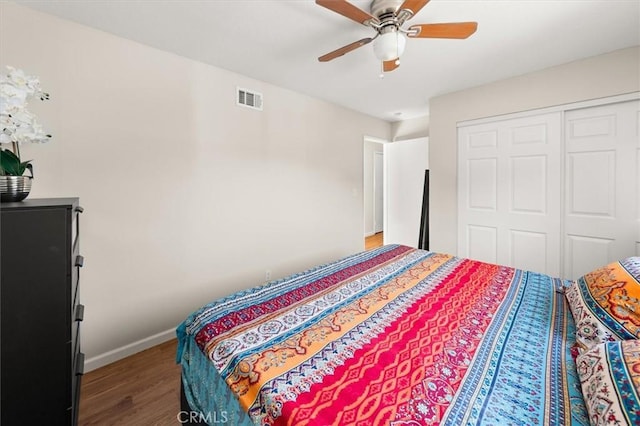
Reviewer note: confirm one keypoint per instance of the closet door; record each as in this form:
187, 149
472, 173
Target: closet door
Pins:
602, 188
509, 191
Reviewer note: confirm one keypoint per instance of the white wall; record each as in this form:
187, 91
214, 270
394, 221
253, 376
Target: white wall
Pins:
605, 75
410, 129
187, 197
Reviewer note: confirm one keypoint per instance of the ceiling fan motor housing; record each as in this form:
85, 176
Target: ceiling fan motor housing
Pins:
389, 20
380, 8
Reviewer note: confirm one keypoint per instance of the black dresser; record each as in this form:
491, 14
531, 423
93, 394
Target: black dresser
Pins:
41, 364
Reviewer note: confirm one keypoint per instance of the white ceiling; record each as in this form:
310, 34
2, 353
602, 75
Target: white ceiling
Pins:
279, 41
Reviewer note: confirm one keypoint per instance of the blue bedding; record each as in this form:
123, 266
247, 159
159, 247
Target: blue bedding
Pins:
395, 336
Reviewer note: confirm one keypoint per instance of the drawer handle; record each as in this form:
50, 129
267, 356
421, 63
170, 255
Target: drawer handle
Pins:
79, 209
79, 313
80, 364
79, 260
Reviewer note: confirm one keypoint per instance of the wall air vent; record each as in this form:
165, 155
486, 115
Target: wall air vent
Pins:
249, 99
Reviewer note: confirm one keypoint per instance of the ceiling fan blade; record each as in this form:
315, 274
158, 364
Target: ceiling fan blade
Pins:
450, 30
348, 10
344, 49
388, 66
413, 5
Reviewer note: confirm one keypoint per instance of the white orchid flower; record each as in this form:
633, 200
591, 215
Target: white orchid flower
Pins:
18, 125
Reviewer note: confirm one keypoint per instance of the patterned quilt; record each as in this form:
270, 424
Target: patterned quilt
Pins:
394, 336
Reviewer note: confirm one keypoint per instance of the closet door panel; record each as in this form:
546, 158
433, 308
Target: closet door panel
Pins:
526, 247
483, 243
528, 177
601, 186
591, 184
482, 184
509, 196
583, 253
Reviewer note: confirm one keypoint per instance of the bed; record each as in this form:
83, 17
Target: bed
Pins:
401, 336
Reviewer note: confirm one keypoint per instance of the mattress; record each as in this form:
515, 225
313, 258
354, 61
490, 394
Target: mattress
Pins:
395, 336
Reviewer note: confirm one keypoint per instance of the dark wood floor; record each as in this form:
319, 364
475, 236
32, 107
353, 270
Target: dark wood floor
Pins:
143, 389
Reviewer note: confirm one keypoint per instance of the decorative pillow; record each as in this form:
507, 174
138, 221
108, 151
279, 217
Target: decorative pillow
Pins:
605, 304
610, 378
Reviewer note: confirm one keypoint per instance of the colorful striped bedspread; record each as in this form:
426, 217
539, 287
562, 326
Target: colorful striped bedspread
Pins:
391, 336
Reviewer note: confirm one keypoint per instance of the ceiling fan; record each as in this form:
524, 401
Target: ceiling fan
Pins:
387, 17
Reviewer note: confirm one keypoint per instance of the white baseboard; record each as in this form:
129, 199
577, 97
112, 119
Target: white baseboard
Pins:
127, 350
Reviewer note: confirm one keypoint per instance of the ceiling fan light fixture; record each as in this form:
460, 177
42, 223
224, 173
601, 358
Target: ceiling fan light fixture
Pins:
387, 18
389, 45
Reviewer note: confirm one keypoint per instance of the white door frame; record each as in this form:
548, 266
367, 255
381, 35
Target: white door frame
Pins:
378, 191
367, 185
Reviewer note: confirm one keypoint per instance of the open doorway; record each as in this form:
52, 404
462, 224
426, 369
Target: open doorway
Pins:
373, 192
394, 214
